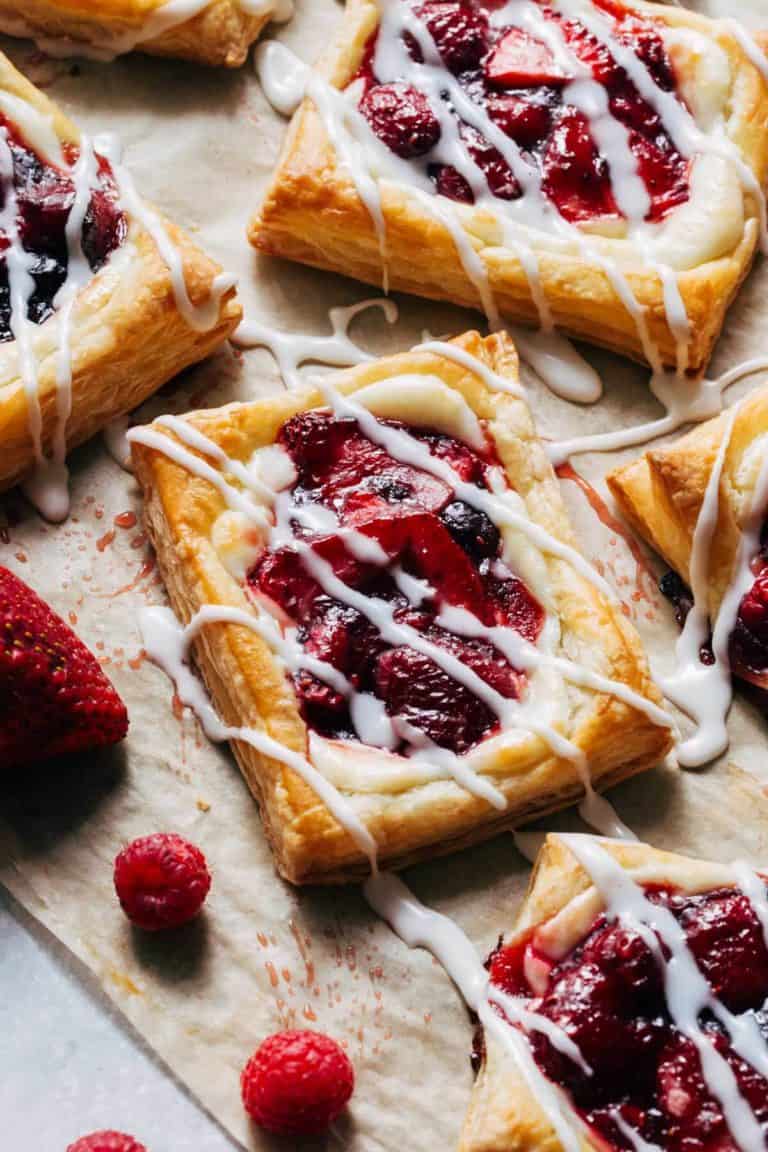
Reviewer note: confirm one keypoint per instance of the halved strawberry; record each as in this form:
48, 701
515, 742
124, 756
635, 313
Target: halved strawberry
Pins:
521, 61
54, 697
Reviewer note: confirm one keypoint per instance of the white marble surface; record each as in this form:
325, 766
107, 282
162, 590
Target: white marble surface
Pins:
68, 1064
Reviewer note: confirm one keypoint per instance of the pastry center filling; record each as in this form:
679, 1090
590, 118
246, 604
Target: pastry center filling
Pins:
516, 79
608, 996
45, 195
398, 536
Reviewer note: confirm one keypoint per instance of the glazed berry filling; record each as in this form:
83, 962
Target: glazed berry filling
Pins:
426, 533
608, 996
749, 640
514, 77
44, 196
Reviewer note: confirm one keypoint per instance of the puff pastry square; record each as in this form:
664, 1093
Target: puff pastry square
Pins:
437, 552
122, 334
661, 495
216, 32
620, 1067
514, 146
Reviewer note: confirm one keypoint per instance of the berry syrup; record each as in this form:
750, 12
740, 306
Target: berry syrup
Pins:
421, 526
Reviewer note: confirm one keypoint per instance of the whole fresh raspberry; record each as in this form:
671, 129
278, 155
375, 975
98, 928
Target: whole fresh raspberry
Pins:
161, 881
106, 1142
296, 1083
54, 698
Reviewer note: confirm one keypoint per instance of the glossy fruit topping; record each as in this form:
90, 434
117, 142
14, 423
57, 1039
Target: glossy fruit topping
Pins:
608, 996
45, 195
513, 76
416, 521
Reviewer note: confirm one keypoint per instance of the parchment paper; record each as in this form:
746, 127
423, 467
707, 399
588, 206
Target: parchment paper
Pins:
201, 144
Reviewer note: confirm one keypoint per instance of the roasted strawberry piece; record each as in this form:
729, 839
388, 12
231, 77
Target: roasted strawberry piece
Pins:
576, 177
519, 61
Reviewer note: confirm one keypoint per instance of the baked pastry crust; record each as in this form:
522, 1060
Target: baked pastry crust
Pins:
312, 213
503, 1115
661, 492
221, 33
127, 336
410, 819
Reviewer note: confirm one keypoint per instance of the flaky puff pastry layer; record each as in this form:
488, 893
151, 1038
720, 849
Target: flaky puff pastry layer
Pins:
559, 908
218, 33
661, 493
312, 213
127, 336
409, 819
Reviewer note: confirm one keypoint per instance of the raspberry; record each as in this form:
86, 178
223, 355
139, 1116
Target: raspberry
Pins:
402, 119
296, 1083
106, 1142
161, 881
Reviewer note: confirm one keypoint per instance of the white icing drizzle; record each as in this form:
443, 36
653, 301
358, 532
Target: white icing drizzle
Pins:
167, 644
636, 1140
705, 691
687, 991
200, 317
686, 401
282, 75
464, 359
164, 18
558, 365
748, 45
115, 436
292, 349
